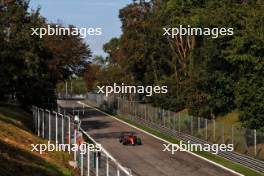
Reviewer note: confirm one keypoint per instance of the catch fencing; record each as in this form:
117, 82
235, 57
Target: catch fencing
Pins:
63, 129
245, 141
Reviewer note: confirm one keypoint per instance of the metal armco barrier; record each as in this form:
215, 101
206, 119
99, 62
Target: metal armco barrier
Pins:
61, 129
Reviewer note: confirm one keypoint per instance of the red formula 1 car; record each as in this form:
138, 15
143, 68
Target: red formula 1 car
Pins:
127, 138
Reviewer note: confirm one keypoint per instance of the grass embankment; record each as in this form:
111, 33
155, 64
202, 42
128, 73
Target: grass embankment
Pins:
215, 158
231, 118
16, 138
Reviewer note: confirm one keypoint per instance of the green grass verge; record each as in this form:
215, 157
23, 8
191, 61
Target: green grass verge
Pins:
16, 138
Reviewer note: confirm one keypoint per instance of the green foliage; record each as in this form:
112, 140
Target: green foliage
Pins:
74, 87
249, 100
215, 75
30, 66
23, 58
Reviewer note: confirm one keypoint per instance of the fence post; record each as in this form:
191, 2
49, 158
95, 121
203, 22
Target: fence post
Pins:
255, 142
191, 125
38, 123
166, 118
118, 109
122, 103
107, 166
223, 133
33, 117
69, 132
199, 125
126, 108
169, 119
134, 109
56, 128
128, 103
88, 161
138, 111
149, 114
81, 163
118, 171
206, 129
36, 119
174, 121
97, 164
163, 117
62, 129
49, 127
179, 121
75, 152
232, 135
145, 113
214, 129
43, 123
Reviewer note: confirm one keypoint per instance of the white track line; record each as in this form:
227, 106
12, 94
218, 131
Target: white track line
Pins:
212, 162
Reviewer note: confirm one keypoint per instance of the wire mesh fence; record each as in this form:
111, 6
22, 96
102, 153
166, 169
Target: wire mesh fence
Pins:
245, 141
66, 134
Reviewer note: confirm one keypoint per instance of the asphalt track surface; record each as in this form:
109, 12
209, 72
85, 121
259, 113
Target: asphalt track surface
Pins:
147, 159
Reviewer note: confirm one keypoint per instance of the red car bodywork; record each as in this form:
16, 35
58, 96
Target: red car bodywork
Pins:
129, 138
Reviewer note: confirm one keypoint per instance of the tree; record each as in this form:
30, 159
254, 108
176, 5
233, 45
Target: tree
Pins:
30, 66
70, 55
23, 58
206, 75
246, 55
91, 75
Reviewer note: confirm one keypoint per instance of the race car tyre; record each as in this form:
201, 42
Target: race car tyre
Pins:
139, 141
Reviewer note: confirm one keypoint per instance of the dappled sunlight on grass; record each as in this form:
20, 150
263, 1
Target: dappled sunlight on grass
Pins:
231, 118
15, 147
